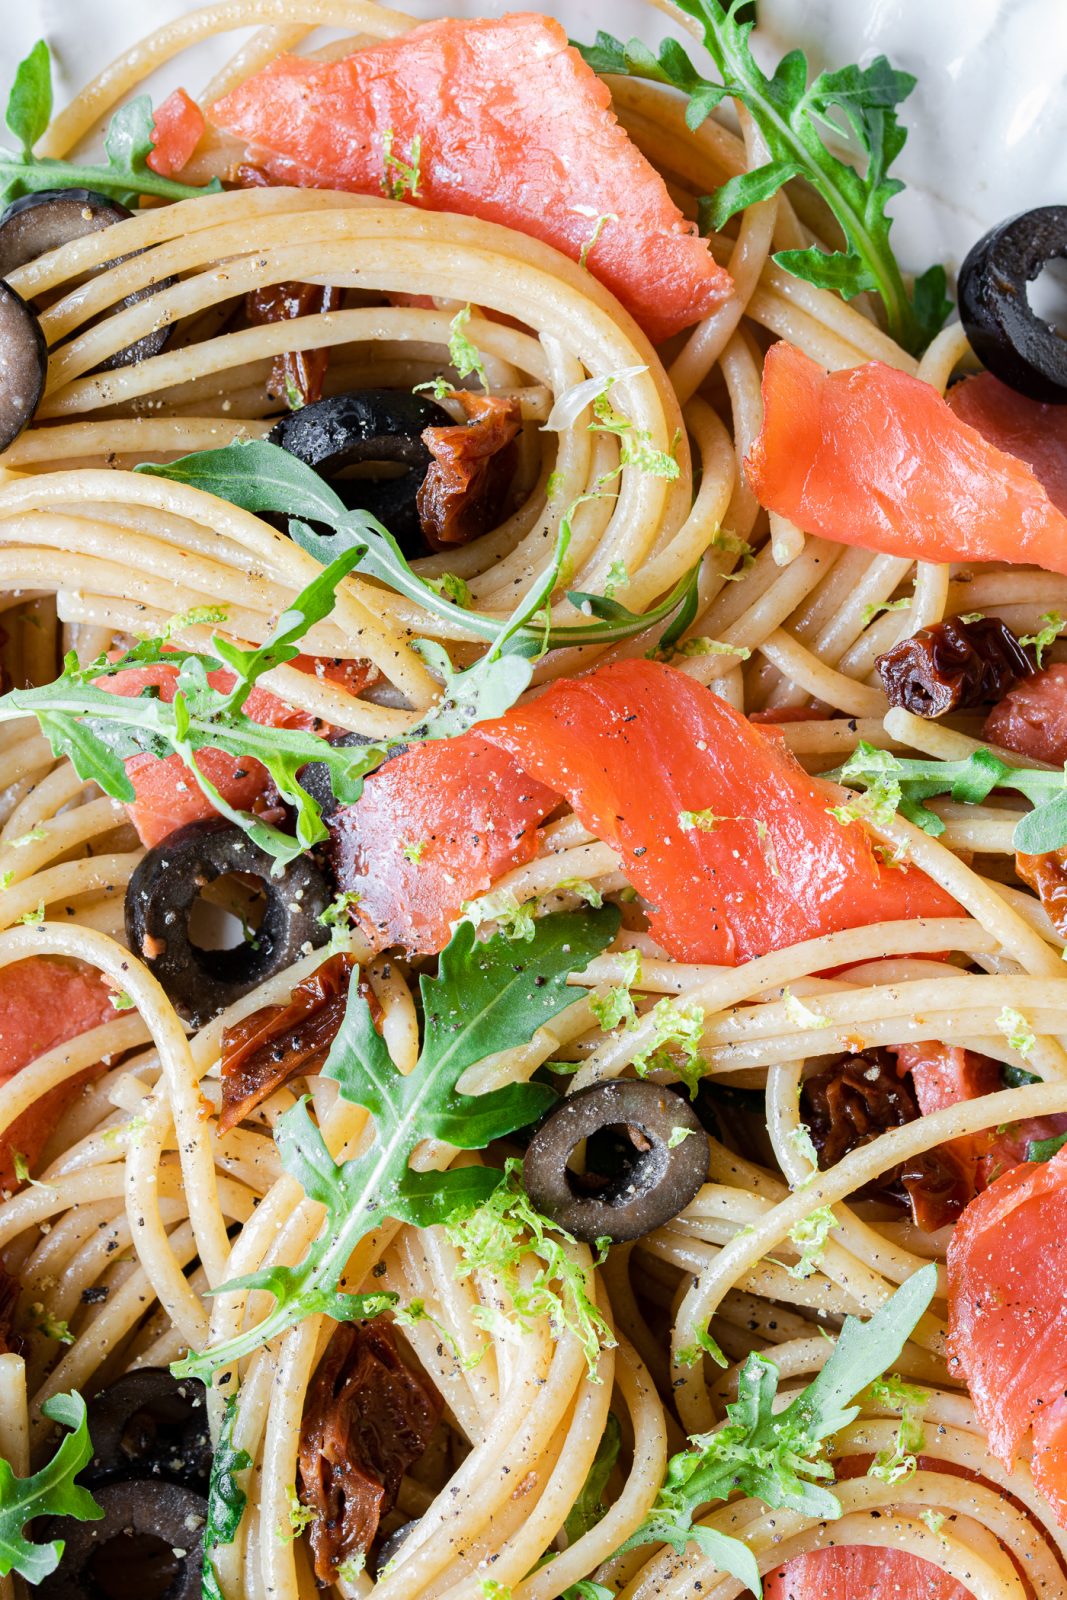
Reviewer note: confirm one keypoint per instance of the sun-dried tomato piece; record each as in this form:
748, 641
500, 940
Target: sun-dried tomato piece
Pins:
853, 1101
368, 1418
473, 461
276, 1043
1047, 874
857, 1099
298, 373
953, 665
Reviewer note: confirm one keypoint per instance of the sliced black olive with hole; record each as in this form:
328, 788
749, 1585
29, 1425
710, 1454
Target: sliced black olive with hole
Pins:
369, 428
148, 1546
205, 914
23, 364
149, 1424
1005, 332
646, 1157
38, 223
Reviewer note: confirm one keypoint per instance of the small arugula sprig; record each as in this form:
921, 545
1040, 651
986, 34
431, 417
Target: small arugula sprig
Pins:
52, 1492
779, 1457
127, 145
261, 477
226, 1500
486, 997
899, 784
98, 730
792, 115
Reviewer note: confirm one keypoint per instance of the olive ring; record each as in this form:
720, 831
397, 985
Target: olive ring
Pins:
368, 426
151, 1533
1005, 332
149, 1424
159, 902
661, 1159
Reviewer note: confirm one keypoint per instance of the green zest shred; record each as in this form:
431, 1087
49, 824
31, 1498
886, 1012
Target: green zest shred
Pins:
678, 1028
502, 1233
897, 1462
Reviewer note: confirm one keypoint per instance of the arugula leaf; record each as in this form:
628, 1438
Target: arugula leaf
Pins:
1045, 1149
485, 998
127, 144
780, 1457
792, 116
226, 1499
261, 477
98, 730
589, 1508
896, 783
29, 105
52, 1492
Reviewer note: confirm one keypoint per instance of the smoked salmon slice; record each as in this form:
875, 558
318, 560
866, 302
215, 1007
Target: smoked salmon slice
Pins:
499, 119
435, 826
44, 1001
871, 1571
718, 827
870, 456
1007, 1262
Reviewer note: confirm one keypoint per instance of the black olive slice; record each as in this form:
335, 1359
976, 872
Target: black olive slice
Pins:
148, 1546
369, 426
39, 223
1005, 332
23, 364
159, 903
149, 1424
390, 1547
635, 1177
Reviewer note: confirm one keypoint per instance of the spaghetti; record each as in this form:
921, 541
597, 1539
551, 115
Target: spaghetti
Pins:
139, 1210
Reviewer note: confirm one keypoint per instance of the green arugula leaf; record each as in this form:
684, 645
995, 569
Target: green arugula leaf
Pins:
1045, 1149
780, 1457
792, 116
29, 105
127, 144
52, 1492
98, 730
486, 997
897, 783
226, 1500
589, 1508
261, 477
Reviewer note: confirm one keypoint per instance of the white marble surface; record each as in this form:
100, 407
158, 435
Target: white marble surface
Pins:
988, 122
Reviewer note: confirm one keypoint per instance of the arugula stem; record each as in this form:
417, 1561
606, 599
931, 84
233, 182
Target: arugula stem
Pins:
66, 175
882, 266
